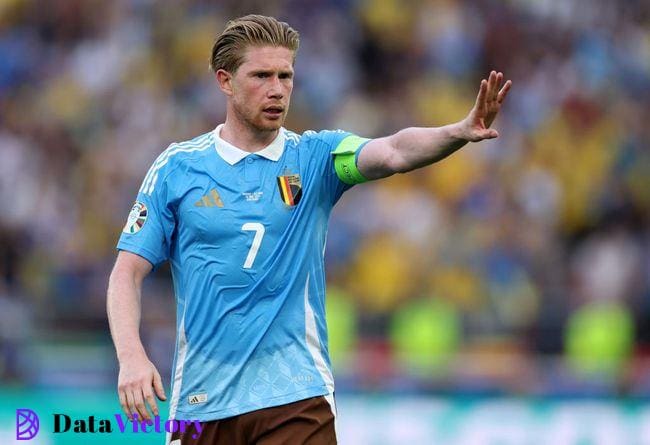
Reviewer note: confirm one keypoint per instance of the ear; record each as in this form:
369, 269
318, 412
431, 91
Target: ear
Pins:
224, 79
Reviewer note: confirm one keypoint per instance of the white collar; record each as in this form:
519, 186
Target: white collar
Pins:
233, 155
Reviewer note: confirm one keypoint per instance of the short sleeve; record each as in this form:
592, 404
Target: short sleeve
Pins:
151, 222
342, 149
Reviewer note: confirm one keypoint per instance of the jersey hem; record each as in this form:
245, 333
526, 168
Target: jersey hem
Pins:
244, 409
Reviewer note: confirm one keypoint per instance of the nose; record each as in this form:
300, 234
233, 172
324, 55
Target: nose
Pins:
275, 90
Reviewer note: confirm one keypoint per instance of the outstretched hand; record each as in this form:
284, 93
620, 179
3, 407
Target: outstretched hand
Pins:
488, 103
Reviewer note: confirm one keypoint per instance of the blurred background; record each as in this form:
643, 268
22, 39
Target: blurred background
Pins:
501, 296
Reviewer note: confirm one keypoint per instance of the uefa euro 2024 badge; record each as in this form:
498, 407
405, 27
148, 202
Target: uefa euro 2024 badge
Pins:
137, 218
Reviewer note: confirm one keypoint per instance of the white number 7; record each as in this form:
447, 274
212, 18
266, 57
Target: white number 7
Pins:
257, 240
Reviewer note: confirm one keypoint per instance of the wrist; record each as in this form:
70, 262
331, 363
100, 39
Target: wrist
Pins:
459, 132
131, 352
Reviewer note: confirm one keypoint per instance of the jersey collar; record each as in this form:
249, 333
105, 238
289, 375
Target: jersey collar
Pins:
233, 155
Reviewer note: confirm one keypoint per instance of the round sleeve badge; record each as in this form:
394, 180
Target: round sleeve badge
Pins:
137, 218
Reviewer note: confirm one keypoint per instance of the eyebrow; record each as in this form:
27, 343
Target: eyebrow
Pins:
271, 71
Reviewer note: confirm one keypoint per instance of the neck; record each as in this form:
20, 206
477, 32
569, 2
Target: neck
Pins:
244, 136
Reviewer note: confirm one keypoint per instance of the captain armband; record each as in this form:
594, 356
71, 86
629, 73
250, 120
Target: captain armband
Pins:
345, 159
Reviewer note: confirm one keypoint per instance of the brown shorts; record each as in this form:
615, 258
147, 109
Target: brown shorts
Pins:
307, 422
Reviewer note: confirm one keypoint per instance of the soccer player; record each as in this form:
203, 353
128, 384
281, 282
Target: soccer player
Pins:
241, 213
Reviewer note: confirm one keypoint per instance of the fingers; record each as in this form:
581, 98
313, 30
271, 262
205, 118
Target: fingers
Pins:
504, 91
130, 404
124, 404
139, 404
482, 93
489, 89
159, 390
491, 134
133, 398
151, 401
492, 86
488, 103
158, 386
494, 81
481, 135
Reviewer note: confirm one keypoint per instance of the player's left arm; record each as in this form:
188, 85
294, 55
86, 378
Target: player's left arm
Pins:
412, 148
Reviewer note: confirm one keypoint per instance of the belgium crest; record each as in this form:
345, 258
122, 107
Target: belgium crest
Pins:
290, 189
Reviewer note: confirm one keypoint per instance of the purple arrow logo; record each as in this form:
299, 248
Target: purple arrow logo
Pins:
27, 424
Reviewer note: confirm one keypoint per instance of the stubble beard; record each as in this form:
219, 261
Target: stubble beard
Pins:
256, 121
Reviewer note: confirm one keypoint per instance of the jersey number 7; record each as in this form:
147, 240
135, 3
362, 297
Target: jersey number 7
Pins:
257, 241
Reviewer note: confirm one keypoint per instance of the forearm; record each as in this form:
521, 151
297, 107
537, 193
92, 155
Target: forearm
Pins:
417, 147
123, 307
409, 149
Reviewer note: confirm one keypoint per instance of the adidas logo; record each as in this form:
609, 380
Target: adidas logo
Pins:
210, 200
198, 398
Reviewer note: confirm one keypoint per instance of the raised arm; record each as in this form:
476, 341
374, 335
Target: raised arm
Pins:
412, 148
137, 374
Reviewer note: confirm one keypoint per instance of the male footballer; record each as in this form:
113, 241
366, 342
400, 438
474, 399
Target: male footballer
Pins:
241, 214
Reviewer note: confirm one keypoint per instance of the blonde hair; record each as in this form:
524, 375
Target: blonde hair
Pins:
251, 30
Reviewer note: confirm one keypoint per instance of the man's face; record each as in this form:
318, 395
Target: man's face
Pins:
261, 87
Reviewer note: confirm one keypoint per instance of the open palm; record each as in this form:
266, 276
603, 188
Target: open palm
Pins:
487, 106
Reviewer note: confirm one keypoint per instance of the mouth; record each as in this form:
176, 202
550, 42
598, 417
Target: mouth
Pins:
274, 111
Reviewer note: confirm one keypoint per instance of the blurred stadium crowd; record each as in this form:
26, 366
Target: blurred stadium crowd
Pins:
520, 265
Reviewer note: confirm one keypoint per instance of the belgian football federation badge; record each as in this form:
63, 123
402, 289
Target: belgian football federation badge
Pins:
290, 189
137, 218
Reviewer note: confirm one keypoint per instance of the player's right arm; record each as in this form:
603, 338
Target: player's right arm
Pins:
138, 377
144, 244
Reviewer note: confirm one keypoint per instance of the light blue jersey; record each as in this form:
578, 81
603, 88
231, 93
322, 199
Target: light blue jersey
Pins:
245, 236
